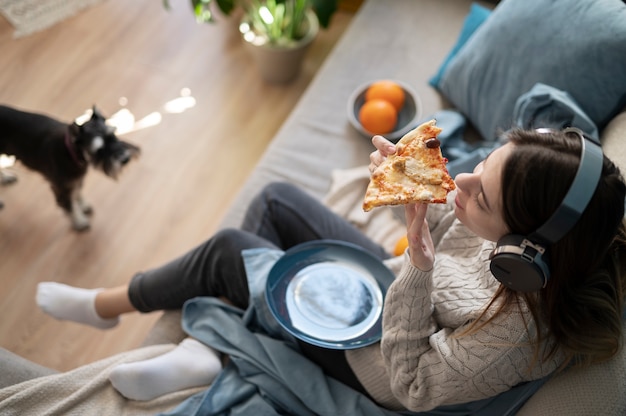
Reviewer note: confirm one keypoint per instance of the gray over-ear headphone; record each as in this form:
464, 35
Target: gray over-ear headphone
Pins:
518, 261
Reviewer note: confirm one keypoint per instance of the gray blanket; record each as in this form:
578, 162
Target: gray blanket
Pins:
86, 391
266, 374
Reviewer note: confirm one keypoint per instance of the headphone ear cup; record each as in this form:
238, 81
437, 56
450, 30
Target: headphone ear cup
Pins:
518, 267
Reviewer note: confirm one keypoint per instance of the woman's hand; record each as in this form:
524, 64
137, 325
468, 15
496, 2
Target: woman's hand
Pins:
384, 148
421, 247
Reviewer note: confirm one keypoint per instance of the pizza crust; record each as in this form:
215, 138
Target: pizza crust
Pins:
415, 173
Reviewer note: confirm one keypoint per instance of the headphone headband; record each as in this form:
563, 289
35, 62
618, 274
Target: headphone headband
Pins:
517, 261
579, 194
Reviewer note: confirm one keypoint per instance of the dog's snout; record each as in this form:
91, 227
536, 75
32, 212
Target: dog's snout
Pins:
122, 155
124, 158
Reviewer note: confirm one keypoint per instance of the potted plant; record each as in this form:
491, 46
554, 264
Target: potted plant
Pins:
203, 9
278, 36
276, 32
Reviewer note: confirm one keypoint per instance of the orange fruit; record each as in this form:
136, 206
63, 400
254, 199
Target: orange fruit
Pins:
401, 245
378, 116
388, 91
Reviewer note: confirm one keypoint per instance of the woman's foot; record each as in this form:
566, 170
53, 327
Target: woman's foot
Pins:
190, 364
71, 304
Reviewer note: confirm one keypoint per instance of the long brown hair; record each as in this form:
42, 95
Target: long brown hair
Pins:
581, 306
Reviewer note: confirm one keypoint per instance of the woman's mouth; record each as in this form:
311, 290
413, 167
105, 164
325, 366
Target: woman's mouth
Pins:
458, 203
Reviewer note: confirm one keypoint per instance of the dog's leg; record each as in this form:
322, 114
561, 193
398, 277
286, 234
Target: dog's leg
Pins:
80, 222
68, 199
7, 177
84, 206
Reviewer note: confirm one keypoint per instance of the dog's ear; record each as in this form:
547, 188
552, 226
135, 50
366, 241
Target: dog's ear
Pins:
95, 113
75, 129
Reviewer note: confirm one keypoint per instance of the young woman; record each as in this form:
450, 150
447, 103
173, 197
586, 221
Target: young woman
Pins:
451, 332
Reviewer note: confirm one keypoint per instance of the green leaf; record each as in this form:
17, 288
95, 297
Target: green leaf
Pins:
226, 6
324, 10
202, 11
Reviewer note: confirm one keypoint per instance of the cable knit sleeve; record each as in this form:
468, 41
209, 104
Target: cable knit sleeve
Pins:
428, 366
407, 325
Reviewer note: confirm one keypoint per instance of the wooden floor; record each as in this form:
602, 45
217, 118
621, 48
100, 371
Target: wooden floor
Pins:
193, 162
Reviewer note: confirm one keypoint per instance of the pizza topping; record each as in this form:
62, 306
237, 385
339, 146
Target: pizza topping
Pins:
433, 143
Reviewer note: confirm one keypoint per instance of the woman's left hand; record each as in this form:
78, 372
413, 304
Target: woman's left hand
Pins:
384, 148
421, 247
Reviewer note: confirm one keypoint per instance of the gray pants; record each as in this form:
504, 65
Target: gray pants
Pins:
281, 216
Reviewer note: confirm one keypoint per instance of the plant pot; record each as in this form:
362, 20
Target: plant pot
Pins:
279, 64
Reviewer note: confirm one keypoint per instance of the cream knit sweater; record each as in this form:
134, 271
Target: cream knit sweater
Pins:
419, 363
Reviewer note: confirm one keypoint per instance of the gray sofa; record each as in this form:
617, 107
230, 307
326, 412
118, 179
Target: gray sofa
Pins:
405, 40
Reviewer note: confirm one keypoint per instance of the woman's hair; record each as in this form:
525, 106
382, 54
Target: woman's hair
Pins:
582, 303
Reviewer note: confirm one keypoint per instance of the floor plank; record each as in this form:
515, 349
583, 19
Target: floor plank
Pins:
137, 54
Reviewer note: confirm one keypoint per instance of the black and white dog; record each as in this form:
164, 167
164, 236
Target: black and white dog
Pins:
62, 153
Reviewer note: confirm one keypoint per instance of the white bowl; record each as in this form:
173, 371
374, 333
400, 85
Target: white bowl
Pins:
407, 117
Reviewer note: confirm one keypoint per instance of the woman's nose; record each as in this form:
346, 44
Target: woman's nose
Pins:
461, 180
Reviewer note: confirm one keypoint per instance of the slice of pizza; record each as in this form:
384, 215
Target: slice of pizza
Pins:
415, 173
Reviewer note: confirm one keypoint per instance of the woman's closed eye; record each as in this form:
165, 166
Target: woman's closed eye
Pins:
476, 199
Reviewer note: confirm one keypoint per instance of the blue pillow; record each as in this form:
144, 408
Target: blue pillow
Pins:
476, 16
576, 46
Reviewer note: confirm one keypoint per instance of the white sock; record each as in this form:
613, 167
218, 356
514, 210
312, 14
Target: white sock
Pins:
190, 364
71, 304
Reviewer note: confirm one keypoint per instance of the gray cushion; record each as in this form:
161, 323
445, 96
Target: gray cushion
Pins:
575, 46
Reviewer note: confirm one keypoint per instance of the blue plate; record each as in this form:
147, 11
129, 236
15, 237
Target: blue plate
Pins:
329, 293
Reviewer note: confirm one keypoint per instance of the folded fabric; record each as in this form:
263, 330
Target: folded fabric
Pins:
462, 156
467, 162
86, 390
268, 375
345, 199
542, 106
546, 106
265, 375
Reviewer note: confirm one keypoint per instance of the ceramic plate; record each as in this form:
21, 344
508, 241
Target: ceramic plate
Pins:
329, 293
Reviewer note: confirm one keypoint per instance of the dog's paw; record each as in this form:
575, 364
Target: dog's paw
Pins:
81, 227
87, 209
7, 177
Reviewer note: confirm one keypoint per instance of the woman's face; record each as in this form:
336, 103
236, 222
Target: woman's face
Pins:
478, 200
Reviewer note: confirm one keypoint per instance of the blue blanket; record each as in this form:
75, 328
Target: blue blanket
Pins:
266, 374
